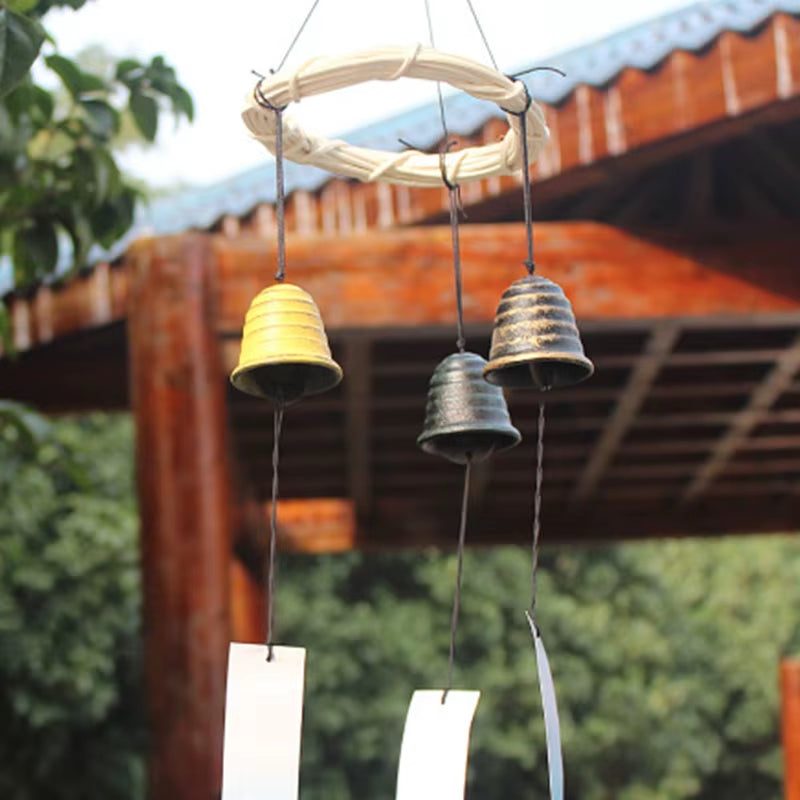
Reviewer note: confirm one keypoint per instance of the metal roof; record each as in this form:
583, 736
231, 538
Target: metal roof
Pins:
643, 47
596, 64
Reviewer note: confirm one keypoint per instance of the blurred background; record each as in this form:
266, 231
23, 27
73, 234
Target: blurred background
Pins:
668, 203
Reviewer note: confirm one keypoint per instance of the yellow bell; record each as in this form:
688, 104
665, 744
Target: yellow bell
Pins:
285, 352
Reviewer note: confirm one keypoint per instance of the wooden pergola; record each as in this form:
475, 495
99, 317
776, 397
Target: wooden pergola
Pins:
667, 208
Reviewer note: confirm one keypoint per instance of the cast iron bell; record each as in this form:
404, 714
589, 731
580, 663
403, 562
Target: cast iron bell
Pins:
285, 353
465, 417
535, 341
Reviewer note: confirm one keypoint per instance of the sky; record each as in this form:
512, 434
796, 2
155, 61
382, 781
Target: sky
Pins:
215, 46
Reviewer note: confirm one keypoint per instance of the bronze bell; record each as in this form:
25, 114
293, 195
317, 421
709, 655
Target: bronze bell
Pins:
535, 341
465, 417
285, 353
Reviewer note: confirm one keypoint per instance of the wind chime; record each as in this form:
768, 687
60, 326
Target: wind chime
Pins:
285, 356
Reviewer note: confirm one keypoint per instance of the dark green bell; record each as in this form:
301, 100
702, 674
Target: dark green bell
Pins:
535, 341
465, 417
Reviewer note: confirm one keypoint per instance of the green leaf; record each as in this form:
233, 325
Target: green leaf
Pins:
80, 232
36, 246
22, 6
145, 113
68, 71
112, 219
128, 69
20, 40
182, 102
106, 174
92, 83
104, 222
34, 101
103, 119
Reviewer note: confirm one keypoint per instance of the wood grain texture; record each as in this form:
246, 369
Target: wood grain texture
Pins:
182, 476
402, 278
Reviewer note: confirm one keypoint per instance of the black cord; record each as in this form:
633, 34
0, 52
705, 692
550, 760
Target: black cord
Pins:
537, 513
462, 529
454, 196
527, 201
273, 532
280, 200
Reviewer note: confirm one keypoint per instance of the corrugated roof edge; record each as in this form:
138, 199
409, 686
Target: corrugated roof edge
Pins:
642, 46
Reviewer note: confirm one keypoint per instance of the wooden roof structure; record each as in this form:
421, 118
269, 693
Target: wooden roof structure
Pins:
667, 207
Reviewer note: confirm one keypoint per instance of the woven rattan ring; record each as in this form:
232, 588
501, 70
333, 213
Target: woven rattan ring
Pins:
410, 167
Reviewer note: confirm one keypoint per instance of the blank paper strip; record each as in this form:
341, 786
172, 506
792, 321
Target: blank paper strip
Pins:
433, 758
555, 762
263, 721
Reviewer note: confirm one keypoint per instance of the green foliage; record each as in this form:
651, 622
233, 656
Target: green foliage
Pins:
664, 654
20, 40
61, 189
70, 696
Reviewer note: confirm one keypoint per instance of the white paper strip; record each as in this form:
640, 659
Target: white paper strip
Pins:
263, 721
552, 727
433, 757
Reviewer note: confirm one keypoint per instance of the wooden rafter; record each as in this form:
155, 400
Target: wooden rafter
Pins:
656, 352
742, 423
699, 196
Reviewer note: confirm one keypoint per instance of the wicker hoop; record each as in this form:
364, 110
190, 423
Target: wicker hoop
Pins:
410, 167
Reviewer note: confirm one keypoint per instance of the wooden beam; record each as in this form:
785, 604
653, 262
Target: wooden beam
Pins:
656, 352
790, 725
88, 300
779, 378
181, 447
698, 203
389, 432
399, 522
401, 278
318, 525
358, 422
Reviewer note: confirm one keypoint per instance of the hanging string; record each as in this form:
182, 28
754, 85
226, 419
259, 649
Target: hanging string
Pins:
454, 196
537, 513
296, 36
273, 532
527, 202
462, 530
438, 83
280, 202
483, 35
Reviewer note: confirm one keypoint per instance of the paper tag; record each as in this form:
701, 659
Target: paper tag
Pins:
552, 727
263, 721
433, 757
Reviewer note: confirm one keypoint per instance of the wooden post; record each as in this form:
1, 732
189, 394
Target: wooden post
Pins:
790, 694
248, 603
178, 401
